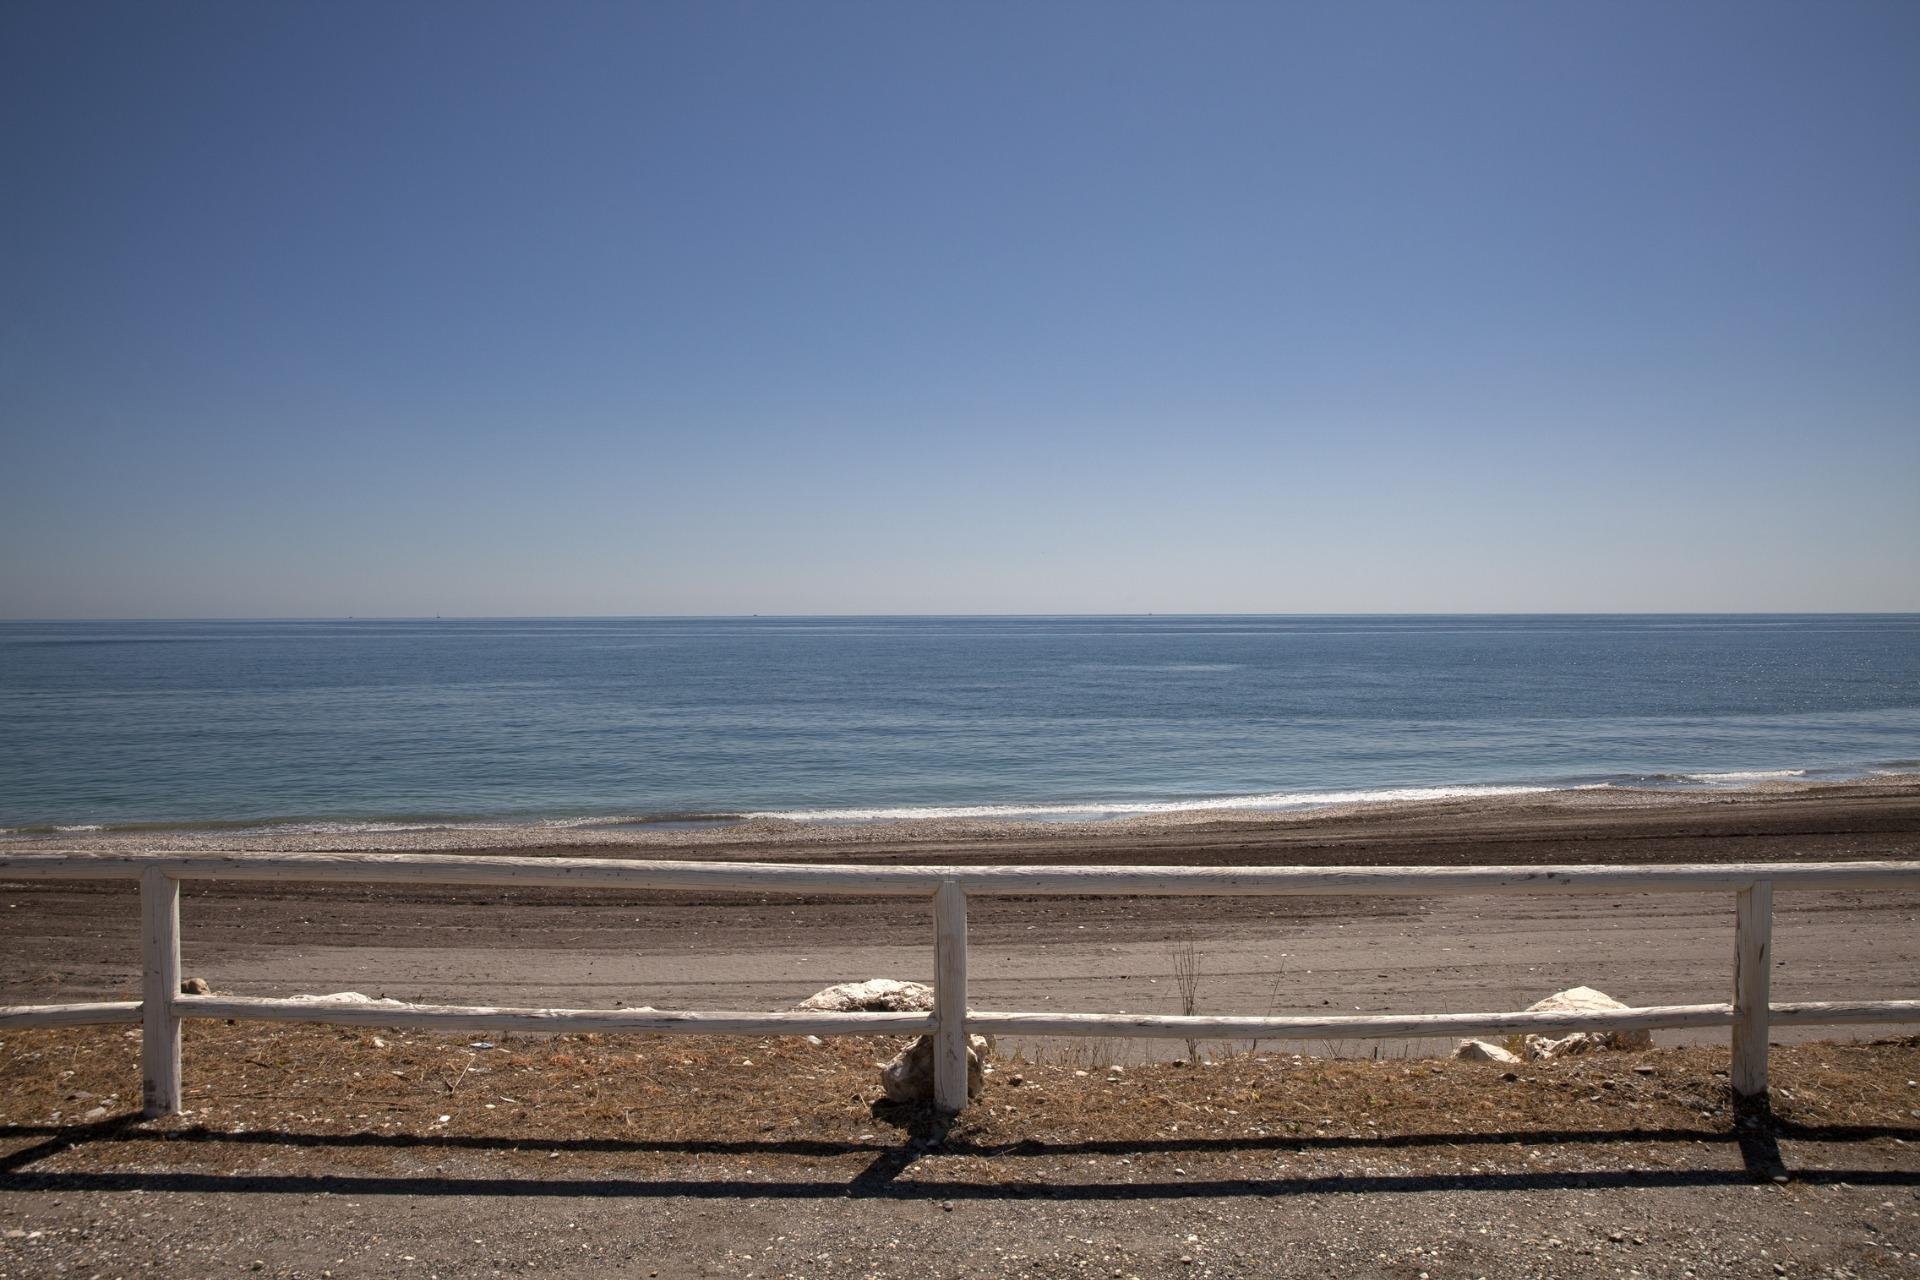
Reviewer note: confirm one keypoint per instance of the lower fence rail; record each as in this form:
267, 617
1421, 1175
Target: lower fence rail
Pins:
97, 1014
372, 1013
432, 1017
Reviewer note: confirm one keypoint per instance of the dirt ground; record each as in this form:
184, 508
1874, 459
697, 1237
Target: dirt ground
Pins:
317, 1152
321, 1151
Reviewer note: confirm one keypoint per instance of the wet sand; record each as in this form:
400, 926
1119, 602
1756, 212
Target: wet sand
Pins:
588, 949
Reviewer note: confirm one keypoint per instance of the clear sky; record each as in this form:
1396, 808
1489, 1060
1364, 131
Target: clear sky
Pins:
401, 309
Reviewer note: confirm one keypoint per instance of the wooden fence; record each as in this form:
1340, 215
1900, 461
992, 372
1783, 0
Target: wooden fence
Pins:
162, 1005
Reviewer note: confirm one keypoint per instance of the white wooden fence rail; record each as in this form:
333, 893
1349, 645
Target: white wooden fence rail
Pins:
162, 1005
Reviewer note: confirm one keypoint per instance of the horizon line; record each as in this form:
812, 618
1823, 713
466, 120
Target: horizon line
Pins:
748, 617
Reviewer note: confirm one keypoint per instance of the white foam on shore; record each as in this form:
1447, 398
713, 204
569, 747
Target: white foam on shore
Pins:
1711, 783
1746, 775
344, 828
374, 826
1276, 800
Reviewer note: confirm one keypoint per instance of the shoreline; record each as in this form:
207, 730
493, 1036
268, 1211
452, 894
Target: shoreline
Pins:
1405, 808
567, 947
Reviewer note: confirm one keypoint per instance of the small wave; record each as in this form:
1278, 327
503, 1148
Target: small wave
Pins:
1732, 778
1277, 800
394, 826
627, 820
1744, 775
562, 824
1159, 666
352, 827
1039, 811
342, 828
241, 827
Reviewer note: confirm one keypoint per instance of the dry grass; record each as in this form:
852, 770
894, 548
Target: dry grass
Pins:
654, 1100
1186, 981
336, 1080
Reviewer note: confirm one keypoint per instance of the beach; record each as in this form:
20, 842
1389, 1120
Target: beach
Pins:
313, 1150
1257, 955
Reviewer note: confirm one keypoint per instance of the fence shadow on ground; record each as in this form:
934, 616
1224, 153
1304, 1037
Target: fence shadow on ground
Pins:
890, 1171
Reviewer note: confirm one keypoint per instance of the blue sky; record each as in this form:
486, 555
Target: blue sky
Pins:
365, 309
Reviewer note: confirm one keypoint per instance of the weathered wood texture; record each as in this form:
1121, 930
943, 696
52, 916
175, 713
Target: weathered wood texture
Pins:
128, 1012
101, 1013
1834, 1013
950, 998
486, 1018
1346, 1026
912, 881
1752, 985
159, 984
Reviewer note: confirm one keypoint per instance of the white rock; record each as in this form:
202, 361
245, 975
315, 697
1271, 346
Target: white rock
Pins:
1484, 1051
1582, 1000
875, 995
909, 1077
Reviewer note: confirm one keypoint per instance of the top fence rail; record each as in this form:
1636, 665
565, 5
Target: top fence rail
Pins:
920, 881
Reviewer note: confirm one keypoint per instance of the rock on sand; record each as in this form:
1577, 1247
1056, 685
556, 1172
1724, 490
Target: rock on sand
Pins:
909, 1077
875, 995
1582, 1000
1484, 1051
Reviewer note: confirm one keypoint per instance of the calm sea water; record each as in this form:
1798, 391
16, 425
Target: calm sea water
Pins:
591, 720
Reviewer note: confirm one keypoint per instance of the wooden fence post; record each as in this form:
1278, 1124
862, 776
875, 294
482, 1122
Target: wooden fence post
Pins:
1752, 988
950, 997
159, 985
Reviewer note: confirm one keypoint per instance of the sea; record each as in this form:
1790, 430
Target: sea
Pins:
356, 725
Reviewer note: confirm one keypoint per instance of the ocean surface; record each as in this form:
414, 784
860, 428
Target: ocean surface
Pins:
345, 724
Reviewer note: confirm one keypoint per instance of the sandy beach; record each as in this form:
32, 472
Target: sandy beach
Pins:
591, 949
329, 1151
